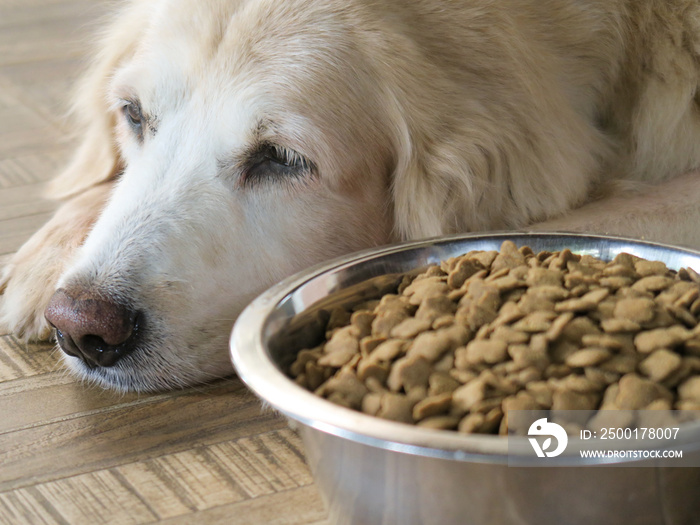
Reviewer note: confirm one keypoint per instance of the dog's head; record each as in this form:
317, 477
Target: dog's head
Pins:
247, 143
248, 140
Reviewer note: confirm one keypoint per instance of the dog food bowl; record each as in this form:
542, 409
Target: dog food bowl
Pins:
372, 471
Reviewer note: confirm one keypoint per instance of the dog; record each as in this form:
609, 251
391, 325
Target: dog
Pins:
227, 144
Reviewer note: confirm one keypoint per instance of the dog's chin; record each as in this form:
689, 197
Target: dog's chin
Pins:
148, 371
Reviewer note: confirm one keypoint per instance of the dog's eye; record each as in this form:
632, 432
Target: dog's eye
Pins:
273, 162
133, 115
284, 157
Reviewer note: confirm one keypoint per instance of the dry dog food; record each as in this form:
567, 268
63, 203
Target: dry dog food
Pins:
463, 343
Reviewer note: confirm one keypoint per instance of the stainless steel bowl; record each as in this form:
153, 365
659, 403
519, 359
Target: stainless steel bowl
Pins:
372, 471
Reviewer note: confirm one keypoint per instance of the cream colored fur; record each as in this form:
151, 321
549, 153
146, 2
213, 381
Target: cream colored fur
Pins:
420, 118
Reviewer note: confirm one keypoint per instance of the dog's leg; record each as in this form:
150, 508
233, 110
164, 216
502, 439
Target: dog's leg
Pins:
668, 212
29, 279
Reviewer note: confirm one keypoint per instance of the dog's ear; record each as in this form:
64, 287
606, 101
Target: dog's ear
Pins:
440, 181
486, 173
97, 158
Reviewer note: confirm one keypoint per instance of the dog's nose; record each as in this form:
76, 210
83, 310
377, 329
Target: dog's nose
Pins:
97, 330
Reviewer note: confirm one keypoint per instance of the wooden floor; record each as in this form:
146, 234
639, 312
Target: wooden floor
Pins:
74, 454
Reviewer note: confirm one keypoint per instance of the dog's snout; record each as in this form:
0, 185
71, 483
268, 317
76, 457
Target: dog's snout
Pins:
97, 330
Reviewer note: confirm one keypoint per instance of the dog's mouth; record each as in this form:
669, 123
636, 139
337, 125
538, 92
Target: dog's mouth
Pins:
143, 353
154, 366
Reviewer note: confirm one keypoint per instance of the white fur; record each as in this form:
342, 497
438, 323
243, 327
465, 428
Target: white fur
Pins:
421, 118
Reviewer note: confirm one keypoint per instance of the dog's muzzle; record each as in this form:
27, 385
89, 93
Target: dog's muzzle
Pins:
95, 329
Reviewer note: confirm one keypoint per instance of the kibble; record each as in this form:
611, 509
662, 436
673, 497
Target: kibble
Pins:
458, 346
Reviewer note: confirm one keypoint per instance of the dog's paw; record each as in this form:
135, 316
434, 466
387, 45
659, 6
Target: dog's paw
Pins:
26, 285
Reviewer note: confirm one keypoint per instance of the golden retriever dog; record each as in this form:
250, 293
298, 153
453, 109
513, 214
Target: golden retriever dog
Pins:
229, 143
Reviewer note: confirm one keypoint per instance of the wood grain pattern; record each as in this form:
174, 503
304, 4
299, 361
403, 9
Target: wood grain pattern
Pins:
72, 453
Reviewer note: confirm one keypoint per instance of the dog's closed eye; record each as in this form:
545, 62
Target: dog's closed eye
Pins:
270, 162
